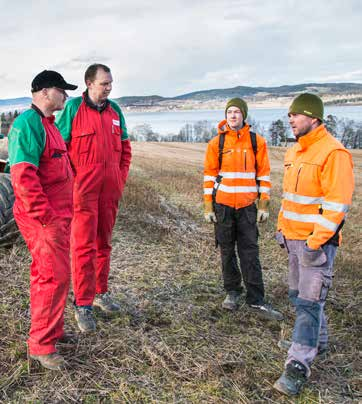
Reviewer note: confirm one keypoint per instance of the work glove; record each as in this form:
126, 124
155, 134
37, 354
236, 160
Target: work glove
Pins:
209, 213
263, 210
280, 239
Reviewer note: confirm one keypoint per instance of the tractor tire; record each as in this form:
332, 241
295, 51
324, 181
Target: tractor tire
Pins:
9, 231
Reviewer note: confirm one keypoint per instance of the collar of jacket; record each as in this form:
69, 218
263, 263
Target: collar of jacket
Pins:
90, 103
50, 118
223, 127
312, 137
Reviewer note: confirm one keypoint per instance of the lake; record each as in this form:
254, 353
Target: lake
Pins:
171, 122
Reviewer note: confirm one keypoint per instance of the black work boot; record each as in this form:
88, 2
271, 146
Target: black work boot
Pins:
292, 380
232, 300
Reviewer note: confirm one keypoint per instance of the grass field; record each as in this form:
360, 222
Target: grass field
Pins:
172, 341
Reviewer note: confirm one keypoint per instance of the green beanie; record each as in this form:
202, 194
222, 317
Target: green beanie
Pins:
239, 103
308, 104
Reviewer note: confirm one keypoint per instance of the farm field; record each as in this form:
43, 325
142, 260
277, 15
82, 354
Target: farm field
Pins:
172, 341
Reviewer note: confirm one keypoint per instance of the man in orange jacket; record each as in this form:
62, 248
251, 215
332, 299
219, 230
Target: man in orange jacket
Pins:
317, 192
236, 176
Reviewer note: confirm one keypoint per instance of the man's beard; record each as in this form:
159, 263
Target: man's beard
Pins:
304, 132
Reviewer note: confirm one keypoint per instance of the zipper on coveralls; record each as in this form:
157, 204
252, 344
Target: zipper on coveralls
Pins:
105, 140
299, 170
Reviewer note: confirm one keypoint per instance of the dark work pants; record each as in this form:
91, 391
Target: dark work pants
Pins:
238, 226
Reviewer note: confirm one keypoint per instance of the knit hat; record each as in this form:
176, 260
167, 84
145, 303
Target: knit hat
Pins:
307, 104
239, 103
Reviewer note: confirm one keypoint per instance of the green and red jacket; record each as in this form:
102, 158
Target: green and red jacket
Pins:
41, 173
95, 137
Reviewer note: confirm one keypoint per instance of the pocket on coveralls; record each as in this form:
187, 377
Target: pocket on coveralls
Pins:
82, 140
56, 167
116, 138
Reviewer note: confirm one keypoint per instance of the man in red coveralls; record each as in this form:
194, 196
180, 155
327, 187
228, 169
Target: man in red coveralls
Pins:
100, 152
42, 179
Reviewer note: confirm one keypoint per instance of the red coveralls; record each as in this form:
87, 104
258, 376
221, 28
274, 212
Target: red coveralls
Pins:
100, 157
43, 210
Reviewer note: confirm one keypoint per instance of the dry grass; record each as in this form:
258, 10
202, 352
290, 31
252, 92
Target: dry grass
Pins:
172, 342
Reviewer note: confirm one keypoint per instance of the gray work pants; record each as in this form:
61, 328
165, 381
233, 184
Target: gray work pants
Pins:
310, 277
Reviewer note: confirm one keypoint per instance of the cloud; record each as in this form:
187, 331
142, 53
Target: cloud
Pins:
170, 48
355, 76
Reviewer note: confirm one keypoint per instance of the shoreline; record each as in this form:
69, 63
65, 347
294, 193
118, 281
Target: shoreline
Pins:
251, 105
184, 106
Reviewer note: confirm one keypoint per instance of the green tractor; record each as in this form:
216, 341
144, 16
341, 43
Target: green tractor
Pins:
9, 231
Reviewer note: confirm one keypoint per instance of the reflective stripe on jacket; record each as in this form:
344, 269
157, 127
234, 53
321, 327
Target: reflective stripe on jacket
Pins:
238, 187
317, 188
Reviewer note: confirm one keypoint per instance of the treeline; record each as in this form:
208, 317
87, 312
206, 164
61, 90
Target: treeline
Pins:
198, 132
6, 119
344, 101
347, 131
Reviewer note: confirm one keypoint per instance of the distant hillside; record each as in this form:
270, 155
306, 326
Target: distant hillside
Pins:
332, 94
282, 91
15, 101
337, 89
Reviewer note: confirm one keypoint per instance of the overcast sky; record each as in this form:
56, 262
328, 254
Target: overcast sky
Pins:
171, 47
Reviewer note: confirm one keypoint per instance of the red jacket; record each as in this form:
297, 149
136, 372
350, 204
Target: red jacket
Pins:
95, 137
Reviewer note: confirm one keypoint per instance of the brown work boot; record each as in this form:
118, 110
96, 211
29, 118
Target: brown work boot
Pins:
52, 361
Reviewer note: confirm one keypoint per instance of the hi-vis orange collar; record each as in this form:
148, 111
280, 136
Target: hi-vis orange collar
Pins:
223, 127
312, 137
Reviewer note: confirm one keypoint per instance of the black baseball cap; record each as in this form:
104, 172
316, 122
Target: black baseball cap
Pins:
48, 79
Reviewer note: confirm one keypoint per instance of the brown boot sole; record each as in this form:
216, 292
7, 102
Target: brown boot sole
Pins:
46, 364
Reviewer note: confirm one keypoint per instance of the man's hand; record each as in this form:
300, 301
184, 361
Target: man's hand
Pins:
263, 210
209, 213
262, 216
280, 238
210, 217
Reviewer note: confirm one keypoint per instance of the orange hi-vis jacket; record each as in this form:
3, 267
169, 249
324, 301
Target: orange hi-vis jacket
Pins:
317, 188
238, 187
